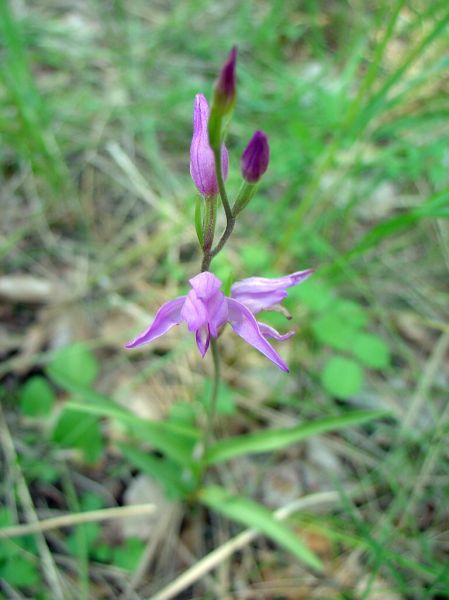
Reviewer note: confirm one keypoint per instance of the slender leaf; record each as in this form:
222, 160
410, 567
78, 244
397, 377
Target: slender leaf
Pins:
342, 377
437, 206
392, 226
174, 440
75, 362
163, 470
249, 513
276, 439
103, 405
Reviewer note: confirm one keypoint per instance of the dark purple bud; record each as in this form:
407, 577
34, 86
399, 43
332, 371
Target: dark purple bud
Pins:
255, 157
225, 88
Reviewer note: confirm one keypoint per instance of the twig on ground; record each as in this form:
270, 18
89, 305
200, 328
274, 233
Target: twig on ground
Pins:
49, 568
159, 532
104, 514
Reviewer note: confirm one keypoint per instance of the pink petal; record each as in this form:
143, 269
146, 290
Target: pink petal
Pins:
245, 325
260, 293
217, 312
194, 311
166, 317
203, 339
205, 285
268, 331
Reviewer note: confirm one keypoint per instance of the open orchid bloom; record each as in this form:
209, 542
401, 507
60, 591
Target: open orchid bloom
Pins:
206, 309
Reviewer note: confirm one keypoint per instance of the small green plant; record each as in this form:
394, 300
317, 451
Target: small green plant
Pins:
340, 327
206, 310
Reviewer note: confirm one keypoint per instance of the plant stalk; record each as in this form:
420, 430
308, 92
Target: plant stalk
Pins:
212, 408
230, 219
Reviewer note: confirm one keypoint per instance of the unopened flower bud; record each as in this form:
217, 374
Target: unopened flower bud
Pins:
202, 164
223, 100
255, 157
225, 92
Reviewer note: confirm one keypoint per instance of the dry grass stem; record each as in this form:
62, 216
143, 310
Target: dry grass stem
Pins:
217, 556
92, 516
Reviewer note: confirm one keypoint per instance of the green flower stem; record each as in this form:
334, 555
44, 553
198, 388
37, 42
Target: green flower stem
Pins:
212, 408
230, 219
210, 220
246, 192
208, 254
221, 185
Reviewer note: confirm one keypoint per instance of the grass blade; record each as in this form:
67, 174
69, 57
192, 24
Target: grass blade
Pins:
163, 470
276, 439
249, 513
175, 441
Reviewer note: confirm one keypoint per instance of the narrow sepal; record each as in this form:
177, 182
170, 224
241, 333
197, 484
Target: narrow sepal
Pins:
166, 317
245, 325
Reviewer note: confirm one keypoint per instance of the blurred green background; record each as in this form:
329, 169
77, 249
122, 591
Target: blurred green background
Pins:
96, 231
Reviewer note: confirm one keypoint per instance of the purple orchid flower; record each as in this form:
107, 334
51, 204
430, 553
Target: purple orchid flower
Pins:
206, 309
202, 165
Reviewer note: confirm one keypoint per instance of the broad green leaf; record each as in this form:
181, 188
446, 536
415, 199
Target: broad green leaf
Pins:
23, 573
75, 362
89, 533
182, 413
371, 350
228, 280
255, 258
75, 429
342, 377
352, 313
91, 501
36, 397
6, 517
161, 469
313, 294
225, 404
249, 513
101, 552
276, 439
128, 555
223, 270
331, 329
34, 468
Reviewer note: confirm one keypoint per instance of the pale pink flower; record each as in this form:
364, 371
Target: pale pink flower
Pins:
206, 309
